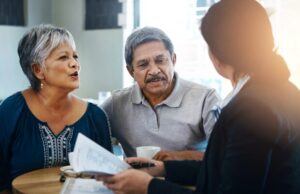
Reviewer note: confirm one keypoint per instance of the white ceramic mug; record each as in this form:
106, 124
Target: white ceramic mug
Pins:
147, 151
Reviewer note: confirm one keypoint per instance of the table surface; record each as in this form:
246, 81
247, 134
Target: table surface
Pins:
42, 181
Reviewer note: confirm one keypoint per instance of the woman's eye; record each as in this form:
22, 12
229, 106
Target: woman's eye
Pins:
63, 57
75, 57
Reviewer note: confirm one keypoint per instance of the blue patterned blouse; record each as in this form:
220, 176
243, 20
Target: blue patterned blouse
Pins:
26, 143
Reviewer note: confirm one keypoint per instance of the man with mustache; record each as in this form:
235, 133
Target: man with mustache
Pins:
160, 109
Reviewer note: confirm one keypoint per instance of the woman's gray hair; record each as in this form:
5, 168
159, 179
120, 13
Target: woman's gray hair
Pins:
144, 35
36, 45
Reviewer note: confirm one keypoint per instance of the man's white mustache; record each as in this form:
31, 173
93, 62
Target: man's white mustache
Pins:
155, 78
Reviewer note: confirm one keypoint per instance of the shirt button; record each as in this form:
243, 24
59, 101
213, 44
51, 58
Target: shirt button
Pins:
155, 129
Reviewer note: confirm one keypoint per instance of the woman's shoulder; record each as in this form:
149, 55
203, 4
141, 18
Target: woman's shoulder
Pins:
10, 110
96, 115
12, 102
94, 109
91, 109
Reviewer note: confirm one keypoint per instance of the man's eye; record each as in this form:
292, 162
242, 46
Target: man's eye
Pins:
142, 65
75, 57
159, 61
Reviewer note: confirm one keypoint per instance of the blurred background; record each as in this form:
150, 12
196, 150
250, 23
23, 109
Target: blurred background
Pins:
100, 28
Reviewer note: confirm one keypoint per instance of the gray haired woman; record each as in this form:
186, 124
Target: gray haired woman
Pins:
39, 125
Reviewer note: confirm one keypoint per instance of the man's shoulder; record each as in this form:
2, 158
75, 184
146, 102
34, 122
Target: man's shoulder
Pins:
121, 93
195, 86
123, 96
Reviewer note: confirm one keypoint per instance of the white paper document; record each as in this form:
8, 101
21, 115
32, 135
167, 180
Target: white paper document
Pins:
84, 186
92, 159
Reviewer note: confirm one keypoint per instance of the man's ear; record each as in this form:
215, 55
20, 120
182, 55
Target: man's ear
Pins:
37, 71
130, 70
174, 58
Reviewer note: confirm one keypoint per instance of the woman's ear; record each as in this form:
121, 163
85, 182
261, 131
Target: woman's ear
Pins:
37, 71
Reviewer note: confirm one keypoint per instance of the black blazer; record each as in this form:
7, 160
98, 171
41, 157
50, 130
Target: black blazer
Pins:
254, 147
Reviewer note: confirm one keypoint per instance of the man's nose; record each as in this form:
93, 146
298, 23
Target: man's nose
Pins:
154, 69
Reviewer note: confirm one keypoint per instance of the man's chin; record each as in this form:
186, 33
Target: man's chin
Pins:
158, 90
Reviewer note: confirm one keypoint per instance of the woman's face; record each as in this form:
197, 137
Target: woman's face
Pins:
61, 68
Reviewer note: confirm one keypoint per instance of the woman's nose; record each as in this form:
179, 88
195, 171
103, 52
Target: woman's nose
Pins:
74, 64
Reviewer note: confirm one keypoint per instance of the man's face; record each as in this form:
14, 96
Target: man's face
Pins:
153, 69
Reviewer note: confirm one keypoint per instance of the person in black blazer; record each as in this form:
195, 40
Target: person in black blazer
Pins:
255, 144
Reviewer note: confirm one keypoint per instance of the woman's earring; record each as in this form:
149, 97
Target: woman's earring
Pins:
42, 85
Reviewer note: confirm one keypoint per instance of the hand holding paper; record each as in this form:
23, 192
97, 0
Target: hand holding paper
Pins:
90, 158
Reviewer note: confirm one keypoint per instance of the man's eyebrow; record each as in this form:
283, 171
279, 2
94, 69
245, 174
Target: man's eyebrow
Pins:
160, 56
142, 61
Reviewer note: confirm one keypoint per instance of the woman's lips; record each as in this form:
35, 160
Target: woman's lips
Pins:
75, 75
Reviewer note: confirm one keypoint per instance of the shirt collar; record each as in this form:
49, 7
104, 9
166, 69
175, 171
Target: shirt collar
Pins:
136, 94
242, 81
216, 110
173, 100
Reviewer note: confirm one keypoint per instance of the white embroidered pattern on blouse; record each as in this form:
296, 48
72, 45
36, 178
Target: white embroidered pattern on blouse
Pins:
56, 148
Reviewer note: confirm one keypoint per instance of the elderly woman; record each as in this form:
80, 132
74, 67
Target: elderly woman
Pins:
255, 144
39, 125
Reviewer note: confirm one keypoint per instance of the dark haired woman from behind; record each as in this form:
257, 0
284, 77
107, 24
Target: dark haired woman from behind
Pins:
39, 125
255, 144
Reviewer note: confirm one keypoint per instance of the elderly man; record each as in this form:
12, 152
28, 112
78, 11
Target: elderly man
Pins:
160, 108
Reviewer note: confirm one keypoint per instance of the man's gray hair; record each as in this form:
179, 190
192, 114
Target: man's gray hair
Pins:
144, 35
36, 45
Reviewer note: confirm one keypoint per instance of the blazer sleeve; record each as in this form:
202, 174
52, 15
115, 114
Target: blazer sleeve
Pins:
158, 186
251, 131
181, 172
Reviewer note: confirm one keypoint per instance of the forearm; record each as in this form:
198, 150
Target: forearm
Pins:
157, 186
165, 155
191, 155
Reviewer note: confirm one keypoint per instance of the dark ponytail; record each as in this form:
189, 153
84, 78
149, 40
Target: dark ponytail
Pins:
239, 33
